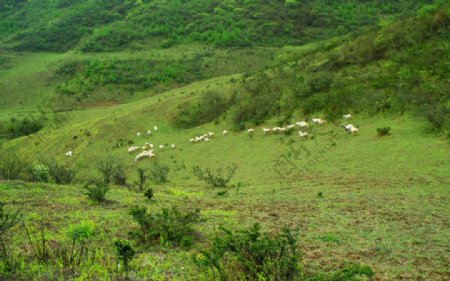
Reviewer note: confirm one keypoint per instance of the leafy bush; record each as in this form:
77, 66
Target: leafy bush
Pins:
168, 226
61, 174
12, 164
159, 173
209, 106
96, 190
215, 179
149, 193
252, 255
124, 251
40, 172
112, 170
141, 182
80, 234
384, 131
7, 221
24, 127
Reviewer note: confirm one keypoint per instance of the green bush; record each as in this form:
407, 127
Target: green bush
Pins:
12, 164
148, 193
384, 131
169, 226
219, 178
252, 255
24, 127
96, 190
61, 174
124, 251
209, 106
40, 172
112, 170
7, 222
159, 173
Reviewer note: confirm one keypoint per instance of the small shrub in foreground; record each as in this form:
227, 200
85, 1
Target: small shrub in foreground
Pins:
149, 193
215, 179
96, 191
61, 174
384, 131
159, 173
170, 226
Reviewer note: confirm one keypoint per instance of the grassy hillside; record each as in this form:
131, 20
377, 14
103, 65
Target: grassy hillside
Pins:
360, 207
111, 25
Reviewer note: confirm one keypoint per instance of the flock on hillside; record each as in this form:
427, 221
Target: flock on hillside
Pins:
148, 150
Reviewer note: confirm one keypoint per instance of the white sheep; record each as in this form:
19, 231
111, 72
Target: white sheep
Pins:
206, 140
172, 145
192, 141
205, 135
138, 134
276, 130
282, 130
302, 124
133, 148
267, 131
145, 154
149, 133
347, 116
151, 145
146, 146
318, 121
354, 130
225, 132
290, 127
161, 146
303, 135
347, 127
250, 132
211, 134
155, 128
69, 153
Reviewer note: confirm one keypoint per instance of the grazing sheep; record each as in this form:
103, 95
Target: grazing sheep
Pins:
282, 130
172, 145
146, 146
149, 133
192, 141
318, 121
69, 153
303, 135
290, 127
198, 139
138, 134
267, 131
206, 140
161, 146
145, 154
201, 138
347, 127
276, 130
205, 135
211, 134
250, 132
353, 130
225, 132
155, 128
133, 148
302, 124
151, 145
347, 116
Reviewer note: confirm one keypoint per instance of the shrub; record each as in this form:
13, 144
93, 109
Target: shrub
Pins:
124, 251
12, 164
80, 234
149, 193
112, 170
7, 221
96, 190
168, 226
61, 174
252, 255
217, 179
159, 173
24, 127
384, 131
40, 172
142, 178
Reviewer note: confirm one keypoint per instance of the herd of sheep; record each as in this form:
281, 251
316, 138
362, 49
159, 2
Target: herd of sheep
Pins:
149, 152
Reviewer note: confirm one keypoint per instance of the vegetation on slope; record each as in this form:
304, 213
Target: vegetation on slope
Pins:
44, 25
386, 70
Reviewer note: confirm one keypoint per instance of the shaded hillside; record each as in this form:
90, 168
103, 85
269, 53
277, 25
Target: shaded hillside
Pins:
44, 25
398, 68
